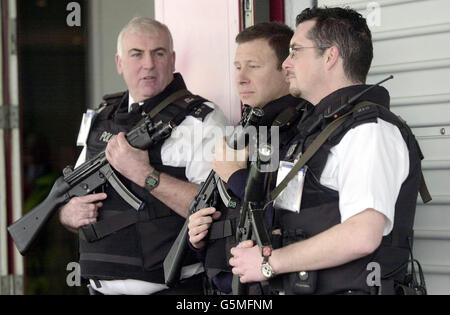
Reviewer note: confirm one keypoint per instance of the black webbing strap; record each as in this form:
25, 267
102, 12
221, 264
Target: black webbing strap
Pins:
134, 261
221, 229
167, 101
172, 98
423, 190
98, 230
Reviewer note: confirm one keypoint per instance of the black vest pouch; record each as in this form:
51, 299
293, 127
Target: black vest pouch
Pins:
298, 283
220, 241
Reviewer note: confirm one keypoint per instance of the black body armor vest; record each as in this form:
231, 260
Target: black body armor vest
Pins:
137, 250
320, 205
221, 236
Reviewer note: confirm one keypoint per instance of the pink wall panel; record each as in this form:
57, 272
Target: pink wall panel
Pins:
204, 32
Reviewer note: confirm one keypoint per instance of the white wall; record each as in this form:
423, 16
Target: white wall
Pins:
106, 19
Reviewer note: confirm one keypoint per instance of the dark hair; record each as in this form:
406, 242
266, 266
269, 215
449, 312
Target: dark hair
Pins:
346, 29
278, 36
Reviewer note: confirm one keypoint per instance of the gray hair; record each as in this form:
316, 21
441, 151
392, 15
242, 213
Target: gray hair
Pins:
146, 26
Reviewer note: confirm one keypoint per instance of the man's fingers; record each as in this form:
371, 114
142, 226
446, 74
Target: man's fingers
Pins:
246, 244
90, 198
200, 229
205, 211
197, 238
99, 205
216, 215
87, 221
200, 217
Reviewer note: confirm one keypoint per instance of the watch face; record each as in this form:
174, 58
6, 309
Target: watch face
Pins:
151, 181
267, 270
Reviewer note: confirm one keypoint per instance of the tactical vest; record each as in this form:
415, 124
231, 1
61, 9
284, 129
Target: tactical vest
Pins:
138, 242
221, 236
320, 207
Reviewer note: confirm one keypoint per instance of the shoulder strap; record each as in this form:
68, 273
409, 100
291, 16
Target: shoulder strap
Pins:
167, 101
183, 102
320, 140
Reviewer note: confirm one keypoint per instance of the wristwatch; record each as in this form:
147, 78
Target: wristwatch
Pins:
152, 180
267, 269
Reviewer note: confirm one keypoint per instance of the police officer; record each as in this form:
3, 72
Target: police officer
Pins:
261, 82
126, 257
360, 188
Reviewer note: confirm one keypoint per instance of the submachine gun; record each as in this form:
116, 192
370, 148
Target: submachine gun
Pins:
85, 179
209, 193
251, 221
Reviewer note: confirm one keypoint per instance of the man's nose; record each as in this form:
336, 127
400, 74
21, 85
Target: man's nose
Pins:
287, 63
148, 61
242, 77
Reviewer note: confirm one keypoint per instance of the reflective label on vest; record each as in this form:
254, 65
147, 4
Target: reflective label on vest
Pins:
291, 197
86, 123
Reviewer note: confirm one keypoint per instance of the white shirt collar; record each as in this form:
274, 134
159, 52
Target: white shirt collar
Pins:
131, 101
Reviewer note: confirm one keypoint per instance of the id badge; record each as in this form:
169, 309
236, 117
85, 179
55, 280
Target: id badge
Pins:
86, 123
291, 197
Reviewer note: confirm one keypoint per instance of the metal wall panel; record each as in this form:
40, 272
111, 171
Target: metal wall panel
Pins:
412, 42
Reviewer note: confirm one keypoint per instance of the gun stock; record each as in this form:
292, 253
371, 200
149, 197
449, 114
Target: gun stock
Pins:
172, 262
25, 230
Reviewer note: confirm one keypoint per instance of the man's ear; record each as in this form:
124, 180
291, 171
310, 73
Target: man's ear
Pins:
119, 64
174, 59
332, 57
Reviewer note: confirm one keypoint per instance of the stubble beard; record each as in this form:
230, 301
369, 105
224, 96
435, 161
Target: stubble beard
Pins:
295, 92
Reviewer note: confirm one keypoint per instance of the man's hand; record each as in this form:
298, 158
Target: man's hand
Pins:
227, 161
199, 224
246, 262
81, 211
132, 163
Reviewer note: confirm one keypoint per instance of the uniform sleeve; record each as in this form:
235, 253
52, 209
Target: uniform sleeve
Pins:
192, 143
237, 183
369, 166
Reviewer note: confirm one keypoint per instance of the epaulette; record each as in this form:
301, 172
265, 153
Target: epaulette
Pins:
195, 106
109, 99
112, 97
